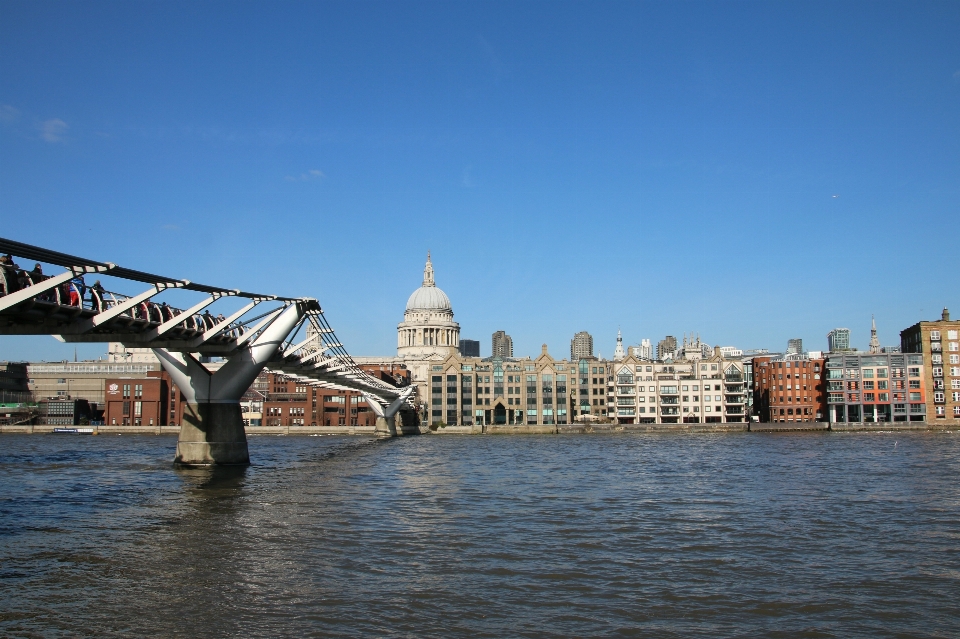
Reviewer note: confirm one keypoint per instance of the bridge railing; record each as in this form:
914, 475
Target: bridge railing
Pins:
64, 305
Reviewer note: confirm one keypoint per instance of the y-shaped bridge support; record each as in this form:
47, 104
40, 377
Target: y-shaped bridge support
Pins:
387, 417
212, 428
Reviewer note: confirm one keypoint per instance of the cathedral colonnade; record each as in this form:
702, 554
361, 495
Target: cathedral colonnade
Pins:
428, 337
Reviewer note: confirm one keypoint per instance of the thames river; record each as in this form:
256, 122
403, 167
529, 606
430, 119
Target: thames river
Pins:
674, 535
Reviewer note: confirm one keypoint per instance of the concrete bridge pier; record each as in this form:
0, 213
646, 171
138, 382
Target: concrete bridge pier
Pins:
386, 425
212, 430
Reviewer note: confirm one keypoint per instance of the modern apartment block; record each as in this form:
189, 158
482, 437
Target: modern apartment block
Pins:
502, 345
838, 340
794, 346
875, 387
938, 343
469, 348
789, 388
709, 390
581, 346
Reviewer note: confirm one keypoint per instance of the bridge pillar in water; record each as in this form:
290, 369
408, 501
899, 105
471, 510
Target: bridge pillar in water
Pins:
212, 430
386, 425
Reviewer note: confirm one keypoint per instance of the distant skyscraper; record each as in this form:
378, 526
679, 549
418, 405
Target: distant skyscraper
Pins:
469, 348
666, 347
502, 345
644, 351
581, 346
874, 342
794, 345
618, 352
838, 340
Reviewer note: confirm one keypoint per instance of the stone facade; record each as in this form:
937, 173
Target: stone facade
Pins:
938, 342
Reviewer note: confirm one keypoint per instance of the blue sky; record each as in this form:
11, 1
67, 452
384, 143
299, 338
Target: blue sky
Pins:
750, 171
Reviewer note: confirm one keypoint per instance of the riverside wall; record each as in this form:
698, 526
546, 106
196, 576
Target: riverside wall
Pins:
532, 429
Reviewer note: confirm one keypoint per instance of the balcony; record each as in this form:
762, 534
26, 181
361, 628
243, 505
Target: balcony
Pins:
734, 410
669, 411
735, 399
669, 400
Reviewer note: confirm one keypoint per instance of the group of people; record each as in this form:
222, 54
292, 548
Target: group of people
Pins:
13, 279
74, 293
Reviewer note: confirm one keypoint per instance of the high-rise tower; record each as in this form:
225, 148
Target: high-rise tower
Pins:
581, 346
502, 345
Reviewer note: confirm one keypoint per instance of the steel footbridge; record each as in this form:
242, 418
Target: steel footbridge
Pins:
281, 334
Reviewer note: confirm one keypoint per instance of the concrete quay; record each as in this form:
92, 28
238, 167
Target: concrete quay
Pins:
532, 429
753, 427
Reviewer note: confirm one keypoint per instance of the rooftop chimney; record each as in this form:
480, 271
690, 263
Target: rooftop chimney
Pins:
945, 316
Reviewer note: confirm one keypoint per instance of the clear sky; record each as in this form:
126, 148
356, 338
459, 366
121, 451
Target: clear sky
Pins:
752, 171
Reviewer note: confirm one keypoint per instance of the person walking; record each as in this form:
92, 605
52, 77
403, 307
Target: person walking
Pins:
77, 290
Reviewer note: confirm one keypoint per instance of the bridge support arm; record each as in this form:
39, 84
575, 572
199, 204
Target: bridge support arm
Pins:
387, 416
212, 430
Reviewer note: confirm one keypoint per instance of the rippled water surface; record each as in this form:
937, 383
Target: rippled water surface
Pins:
787, 535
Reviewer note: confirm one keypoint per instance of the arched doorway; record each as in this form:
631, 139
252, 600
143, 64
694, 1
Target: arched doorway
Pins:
499, 414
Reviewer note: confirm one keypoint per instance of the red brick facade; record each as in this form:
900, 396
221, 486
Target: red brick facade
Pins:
150, 401
789, 390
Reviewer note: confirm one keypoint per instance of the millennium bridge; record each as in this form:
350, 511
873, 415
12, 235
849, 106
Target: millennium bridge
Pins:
282, 334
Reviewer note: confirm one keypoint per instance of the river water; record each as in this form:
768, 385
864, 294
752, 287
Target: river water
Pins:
674, 535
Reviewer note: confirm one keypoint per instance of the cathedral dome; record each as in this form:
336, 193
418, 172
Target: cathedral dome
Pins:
428, 297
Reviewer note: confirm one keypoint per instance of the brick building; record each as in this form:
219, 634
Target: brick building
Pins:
289, 402
938, 343
142, 401
789, 388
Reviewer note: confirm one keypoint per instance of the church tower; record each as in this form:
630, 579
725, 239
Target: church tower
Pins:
874, 342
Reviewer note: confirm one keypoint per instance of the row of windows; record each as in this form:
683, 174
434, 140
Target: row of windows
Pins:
836, 398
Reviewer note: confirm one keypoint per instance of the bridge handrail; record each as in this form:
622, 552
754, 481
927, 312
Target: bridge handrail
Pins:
333, 365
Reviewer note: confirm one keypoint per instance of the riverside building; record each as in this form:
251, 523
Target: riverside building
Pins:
875, 387
497, 390
789, 388
938, 344
707, 389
